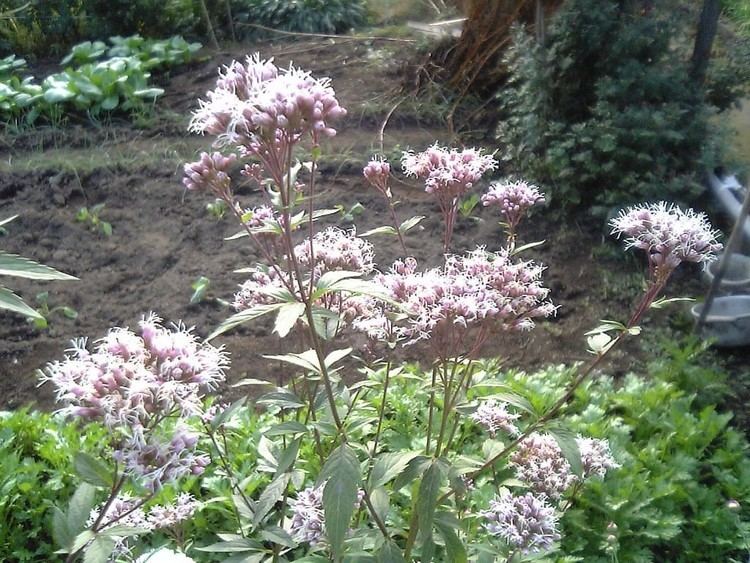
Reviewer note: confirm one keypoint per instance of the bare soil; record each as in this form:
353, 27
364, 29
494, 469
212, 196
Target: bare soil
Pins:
163, 239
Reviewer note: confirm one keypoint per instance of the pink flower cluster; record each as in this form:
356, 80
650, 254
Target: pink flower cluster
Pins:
513, 199
308, 517
171, 515
540, 463
494, 416
378, 173
258, 105
478, 292
210, 173
596, 457
668, 234
448, 173
332, 249
129, 381
526, 523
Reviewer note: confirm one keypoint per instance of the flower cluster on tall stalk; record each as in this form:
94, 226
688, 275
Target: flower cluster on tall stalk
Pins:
322, 284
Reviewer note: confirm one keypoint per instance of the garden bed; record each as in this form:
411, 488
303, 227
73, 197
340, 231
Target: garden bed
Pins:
163, 239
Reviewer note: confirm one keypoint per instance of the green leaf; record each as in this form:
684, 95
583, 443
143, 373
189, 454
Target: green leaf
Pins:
286, 427
278, 536
61, 532
148, 93
390, 553
12, 302
232, 546
18, 266
569, 446
79, 508
342, 472
527, 246
288, 456
110, 102
99, 550
287, 317
380, 502
92, 470
336, 356
454, 548
307, 360
57, 94
516, 400
429, 489
80, 541
410, 223
281, 398
270, 496
388, 465
242, 317
384, 230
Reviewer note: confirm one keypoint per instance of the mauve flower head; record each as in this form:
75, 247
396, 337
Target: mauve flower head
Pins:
308, 518
668, 234
128, 379
209, 173
480, 290
378, 173
448, 173
513, 199
335, 249
596, 457
259, 105
156, 460
170, 515
258, 289
494, 416
526, 523
539, 462
124, 511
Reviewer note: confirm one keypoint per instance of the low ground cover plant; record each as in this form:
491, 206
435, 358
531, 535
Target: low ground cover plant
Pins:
454, 461
118, 83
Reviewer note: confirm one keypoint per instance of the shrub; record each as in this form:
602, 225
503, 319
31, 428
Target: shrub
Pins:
605, 112
309, 16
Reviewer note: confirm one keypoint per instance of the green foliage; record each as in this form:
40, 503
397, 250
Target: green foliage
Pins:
91, 218
739, 12
36, 472
309, 16
42, 27
150, 18
605, 113
45, 312
118, 83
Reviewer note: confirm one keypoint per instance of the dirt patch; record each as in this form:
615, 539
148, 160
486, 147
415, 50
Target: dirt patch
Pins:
163, 239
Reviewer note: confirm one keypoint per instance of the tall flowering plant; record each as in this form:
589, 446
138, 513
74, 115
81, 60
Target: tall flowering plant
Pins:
434, 496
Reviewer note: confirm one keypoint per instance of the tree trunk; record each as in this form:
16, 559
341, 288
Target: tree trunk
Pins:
704, 40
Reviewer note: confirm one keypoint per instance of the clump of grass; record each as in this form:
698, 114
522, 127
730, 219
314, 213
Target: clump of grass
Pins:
739, 12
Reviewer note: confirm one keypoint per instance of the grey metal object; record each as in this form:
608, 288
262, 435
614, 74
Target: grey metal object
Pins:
728, 320
737, 276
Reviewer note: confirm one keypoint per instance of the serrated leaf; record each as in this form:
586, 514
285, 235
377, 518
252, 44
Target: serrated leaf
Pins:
516, 400
307, 360
389, 465
225, 414
285, 428
99, 550
61, 532
92, 470
288, 456
336, 356
282, 398
380, 502
18, 266
12, 302
342, 472
232, 546
287, 317
270, 496
454, 547
384, 230
569, 446
242, 317
278, 536
79, 508
410, 223
429, 489
390, 553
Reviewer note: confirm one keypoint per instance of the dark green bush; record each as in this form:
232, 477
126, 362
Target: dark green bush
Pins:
309, 16
41, 27
150, 18
605, 113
